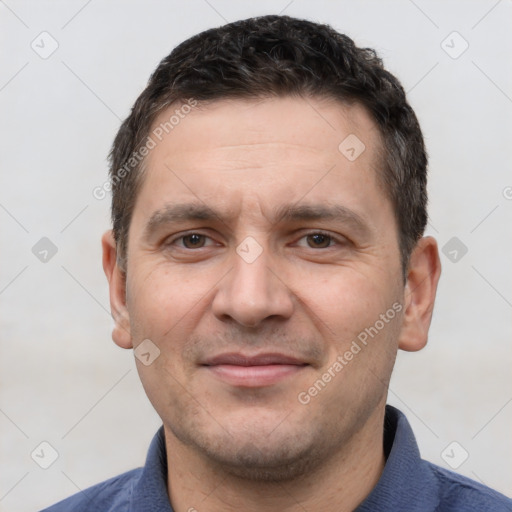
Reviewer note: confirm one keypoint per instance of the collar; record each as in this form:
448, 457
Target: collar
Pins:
406, 482
150, 491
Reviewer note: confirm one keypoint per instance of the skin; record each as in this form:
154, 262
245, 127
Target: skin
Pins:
257, 447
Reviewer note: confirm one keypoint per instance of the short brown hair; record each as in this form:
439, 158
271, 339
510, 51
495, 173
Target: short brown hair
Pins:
279, 56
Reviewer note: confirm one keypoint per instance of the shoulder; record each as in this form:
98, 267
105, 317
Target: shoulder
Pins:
108, 496
461, 494
410, 483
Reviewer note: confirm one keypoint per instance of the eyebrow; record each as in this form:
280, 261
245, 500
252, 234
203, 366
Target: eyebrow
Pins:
173, 213
324, 212
295, 212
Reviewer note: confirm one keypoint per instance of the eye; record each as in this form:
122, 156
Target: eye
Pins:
318, 240
192, 241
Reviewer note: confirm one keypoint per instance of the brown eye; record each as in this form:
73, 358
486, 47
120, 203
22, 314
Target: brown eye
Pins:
319, 240
194, 241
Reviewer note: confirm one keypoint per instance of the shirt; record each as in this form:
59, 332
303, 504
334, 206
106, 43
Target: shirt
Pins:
407, 483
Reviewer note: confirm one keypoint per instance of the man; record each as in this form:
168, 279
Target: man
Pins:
266, 262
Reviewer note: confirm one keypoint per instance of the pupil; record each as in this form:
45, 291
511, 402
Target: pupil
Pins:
320, 240
194, 239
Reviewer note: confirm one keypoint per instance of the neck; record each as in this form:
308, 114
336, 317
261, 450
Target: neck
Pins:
340, 484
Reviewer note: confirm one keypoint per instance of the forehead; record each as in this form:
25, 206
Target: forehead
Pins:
314, 125
261, 152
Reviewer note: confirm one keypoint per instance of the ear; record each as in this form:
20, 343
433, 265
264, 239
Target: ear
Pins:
420, 293
117, 287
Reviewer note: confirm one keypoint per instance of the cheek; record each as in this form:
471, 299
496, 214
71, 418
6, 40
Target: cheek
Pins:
351, 305
360, 320
159, 301
163, 308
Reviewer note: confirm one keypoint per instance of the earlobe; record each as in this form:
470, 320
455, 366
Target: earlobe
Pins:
117, 290
420, 293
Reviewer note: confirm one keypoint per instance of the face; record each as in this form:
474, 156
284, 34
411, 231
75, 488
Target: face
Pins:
264, 269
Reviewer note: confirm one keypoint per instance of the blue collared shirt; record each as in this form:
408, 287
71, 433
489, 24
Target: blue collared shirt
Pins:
407, 484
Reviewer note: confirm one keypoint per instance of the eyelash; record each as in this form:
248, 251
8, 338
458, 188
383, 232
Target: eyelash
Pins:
333, 239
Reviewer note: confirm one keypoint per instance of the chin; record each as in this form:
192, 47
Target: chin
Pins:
259, 454
284, 464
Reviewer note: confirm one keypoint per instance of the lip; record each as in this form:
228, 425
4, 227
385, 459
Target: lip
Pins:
237, 359
253, 371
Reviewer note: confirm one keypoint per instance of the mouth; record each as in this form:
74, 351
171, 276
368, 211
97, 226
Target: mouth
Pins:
253, 371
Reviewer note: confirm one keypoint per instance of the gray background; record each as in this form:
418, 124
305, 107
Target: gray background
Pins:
63, 380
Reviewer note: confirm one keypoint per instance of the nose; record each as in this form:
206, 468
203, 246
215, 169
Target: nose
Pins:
253, 292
